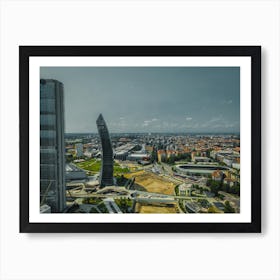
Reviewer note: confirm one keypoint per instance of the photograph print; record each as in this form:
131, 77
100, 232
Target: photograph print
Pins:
148, 139
139, 140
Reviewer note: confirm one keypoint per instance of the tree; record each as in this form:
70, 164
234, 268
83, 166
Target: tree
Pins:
236, 189
177, 190
215, 187
171, 160
228, 208
154, 157
226, 188
212, 209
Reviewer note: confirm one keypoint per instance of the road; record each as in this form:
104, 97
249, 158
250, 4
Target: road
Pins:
163, 170
130, 194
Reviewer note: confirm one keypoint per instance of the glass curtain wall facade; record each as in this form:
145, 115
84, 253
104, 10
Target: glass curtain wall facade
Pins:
52, 151
106, 173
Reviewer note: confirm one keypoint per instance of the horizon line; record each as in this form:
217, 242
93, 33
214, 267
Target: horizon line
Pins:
131, 132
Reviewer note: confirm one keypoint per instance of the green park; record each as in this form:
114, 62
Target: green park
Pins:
93, 166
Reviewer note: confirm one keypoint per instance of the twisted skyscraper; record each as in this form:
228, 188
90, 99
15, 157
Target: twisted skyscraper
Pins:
106, 173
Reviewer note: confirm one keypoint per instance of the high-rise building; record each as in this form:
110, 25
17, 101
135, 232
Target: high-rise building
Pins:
52, 150
79, 150
106, 172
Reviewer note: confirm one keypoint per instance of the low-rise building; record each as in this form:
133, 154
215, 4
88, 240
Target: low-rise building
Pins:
74, 173
185, 189
213, 154
217, 175
192, 207
89, 152
121, 155
138, 157
236, 166
122, 152
228, 181
228, 161
149, 148
201, 159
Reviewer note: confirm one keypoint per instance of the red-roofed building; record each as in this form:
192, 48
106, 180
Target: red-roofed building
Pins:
217, 175
161, 155
230, 182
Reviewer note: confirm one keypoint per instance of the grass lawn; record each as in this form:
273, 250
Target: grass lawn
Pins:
90, 165
94, 166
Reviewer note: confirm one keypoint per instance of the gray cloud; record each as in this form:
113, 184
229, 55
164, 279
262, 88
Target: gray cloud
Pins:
147, 99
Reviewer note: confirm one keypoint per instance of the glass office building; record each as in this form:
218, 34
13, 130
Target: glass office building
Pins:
106, 173
52, 154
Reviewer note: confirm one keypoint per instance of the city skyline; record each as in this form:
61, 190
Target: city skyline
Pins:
132, 174
150, 99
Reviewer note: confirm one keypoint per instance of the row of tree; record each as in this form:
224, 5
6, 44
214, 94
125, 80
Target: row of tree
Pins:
173, 158
125, 204
216, 186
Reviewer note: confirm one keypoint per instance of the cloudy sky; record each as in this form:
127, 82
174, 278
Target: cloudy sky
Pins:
150, 99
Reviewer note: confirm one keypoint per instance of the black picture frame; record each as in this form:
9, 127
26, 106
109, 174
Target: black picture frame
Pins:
254, 52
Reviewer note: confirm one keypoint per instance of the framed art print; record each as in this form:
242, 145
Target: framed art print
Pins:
140, 138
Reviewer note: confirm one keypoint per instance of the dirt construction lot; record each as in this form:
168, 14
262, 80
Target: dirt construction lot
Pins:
152, 182
149, 209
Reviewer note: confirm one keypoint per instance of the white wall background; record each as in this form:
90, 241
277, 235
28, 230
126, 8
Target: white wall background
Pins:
139, 256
